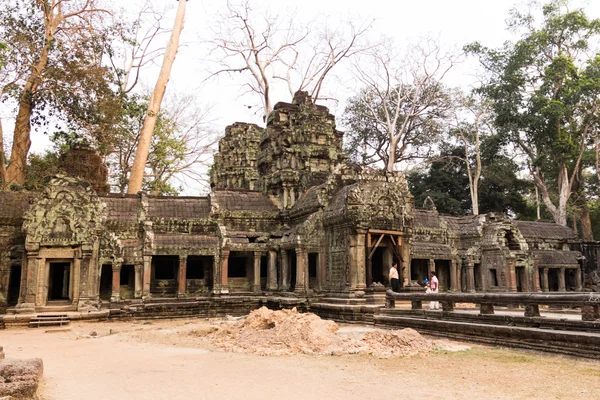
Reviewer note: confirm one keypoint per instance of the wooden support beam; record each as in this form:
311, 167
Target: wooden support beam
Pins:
375, 247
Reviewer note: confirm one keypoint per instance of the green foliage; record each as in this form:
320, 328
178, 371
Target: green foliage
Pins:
75, 88
446, 182
545, 91
39, 168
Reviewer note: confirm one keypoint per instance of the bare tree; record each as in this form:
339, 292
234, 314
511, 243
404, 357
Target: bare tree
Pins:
325, 48
405, 98
254, 43
141, 155
272, 50
139, 47
472, 118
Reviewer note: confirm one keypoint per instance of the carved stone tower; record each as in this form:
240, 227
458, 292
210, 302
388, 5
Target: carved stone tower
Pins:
299, 150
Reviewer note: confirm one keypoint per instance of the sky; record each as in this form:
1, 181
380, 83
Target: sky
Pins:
454, 22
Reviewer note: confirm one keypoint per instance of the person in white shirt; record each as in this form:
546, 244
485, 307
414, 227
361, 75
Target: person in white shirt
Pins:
394, 277
434, 284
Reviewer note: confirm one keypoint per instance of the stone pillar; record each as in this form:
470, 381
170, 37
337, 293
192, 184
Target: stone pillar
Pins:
272, 271
147, 276
285, 271
578, 279
256, 275
29, 295
562, 287
301, 270
216, 271
404, 250
360, 259
322, 269
181, 282
470, 277
139, 268
511, 274
224, 270
453, 280
536, 287
431, 265
459, 273
116, 283
545, 286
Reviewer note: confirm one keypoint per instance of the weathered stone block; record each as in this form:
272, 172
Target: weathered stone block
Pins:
20, 378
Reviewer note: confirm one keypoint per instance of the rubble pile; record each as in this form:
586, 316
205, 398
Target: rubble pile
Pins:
19, 379
288, 332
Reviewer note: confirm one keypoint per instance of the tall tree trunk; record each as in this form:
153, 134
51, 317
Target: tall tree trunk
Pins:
2, 160
141, 156
586, 222
15, 173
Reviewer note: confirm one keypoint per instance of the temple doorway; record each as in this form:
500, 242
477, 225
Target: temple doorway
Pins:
442, 269
14, 285
106, 282
521, 282
59, 281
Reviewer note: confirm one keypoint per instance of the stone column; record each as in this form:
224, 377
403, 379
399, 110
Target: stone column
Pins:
578, 279
536, 287
116, 283
459, 273
360, 259
30, 278
404, 249
216, 271
285, 271
256, 275
224, 270
322, 269
545, 286
453, 286
431, 265
562, 287
272, 271
147, 276
301, 270
511, 275
470, 277
181, 282
139, 268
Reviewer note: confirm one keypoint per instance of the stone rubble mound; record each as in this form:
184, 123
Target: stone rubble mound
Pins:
19, 379
288, 332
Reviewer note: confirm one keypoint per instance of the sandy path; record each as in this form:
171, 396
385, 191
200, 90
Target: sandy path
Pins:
148, 362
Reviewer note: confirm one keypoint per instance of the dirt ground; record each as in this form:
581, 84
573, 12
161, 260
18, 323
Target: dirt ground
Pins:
162, 360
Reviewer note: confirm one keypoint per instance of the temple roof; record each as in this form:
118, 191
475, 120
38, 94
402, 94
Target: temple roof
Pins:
179, 207
184, 241
426, 219
243, 200
421, 249
544, 230
557, 257
123, 209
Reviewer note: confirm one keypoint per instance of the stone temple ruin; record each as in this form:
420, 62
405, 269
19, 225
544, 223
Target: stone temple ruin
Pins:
288, 222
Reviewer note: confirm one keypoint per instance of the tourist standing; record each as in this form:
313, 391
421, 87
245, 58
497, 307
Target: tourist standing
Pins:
394, 277
434, 284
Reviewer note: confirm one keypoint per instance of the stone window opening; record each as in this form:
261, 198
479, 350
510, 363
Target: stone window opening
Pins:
194, 268
165, 267
493, 277
237, 267
511, 241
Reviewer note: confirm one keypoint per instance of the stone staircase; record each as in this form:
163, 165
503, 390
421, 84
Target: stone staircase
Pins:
48, 320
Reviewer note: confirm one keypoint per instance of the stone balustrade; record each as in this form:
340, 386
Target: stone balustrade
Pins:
589, 302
